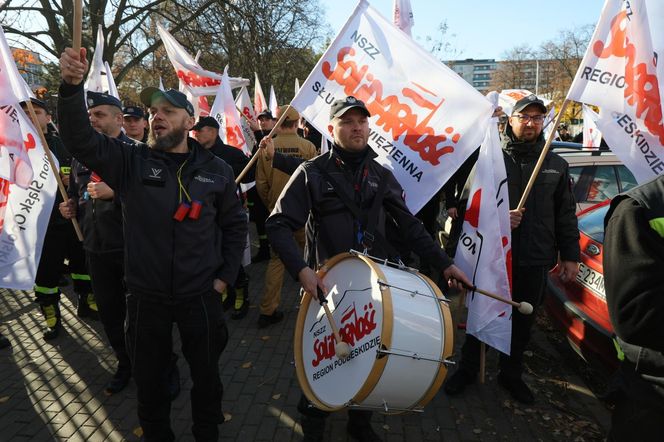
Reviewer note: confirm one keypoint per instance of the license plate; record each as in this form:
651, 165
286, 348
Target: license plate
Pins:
592, 280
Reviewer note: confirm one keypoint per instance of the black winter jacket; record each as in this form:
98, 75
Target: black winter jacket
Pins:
164, 258
549, 224
634, 278
332, 228
101, 220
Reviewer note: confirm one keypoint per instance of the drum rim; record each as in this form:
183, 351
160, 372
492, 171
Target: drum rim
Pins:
385, 337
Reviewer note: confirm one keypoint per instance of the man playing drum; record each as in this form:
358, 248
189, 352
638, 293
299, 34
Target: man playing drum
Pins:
325, 194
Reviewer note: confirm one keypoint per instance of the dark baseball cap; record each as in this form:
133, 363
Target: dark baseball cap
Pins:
528, 101
176, 98
266, 114
339, 107
133, 111
39, 103
206, 122
95, 99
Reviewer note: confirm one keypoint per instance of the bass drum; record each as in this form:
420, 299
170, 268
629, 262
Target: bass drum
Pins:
399, 329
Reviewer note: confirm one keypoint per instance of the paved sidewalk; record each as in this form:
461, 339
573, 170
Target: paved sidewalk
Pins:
54, 391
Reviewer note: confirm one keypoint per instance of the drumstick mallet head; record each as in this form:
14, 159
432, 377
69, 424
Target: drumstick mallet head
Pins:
341, 348
524, 308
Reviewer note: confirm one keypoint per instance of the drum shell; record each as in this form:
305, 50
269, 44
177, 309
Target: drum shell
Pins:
414, 321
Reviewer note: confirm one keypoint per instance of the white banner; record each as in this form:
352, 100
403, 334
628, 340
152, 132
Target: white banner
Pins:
13, 89
243, 103
226, 114
273, 102
26, 218
639, 151
187, 69
484, 251
619, 73
425, 119
592, 136
508, 98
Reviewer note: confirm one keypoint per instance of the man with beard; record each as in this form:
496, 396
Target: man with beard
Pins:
314, 197
541, 232
185, 231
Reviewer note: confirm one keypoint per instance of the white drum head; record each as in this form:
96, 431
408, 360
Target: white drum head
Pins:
359, 310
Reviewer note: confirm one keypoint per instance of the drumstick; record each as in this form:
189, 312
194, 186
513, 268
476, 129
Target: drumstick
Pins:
523, 307
341, 349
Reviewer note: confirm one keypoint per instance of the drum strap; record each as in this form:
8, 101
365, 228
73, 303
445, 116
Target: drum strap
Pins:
368, 222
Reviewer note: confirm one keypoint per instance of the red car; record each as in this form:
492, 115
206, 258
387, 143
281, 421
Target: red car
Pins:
579, 307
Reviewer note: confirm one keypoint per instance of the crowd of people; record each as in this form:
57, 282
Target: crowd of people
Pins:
165, 227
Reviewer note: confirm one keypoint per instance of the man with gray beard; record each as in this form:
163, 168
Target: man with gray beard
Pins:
185, 232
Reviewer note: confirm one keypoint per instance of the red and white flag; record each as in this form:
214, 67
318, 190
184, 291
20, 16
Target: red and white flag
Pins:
273, 102
26, 214
402, 14
619, 73
15, 164
484, 252
260, 104
198, 80
425, 119
243, 103
592, 136
508, 98
297, 86
226, 114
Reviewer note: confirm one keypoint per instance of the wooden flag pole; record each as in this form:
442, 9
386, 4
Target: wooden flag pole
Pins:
255, 157
76, 26
56, 172
540, 161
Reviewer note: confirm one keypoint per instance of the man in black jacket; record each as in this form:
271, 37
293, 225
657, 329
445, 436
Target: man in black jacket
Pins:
206, 132
99, 212
634, 282
545, 229
185, 230
332, 228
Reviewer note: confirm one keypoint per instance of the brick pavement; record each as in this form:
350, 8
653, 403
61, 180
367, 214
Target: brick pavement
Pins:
54, 391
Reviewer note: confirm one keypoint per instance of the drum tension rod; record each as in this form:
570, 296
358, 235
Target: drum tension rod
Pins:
383, 351
383, 285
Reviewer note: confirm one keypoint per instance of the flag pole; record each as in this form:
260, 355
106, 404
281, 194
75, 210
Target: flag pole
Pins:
49, 156
255, 157
540, 161
76, 27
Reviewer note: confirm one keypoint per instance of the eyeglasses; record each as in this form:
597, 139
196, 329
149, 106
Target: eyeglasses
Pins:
536, 119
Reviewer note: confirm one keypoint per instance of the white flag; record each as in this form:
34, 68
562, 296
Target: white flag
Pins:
15, 164
403, 15
226, 114
161, 84
592, 136
187, 69
508, 98
273, 102
324, 144
13, 89
260, 104
112, 88
640, 152
27, 215
243, 103
297, 86
96, 80
425, 119
548, 124
484, 251
619, 74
